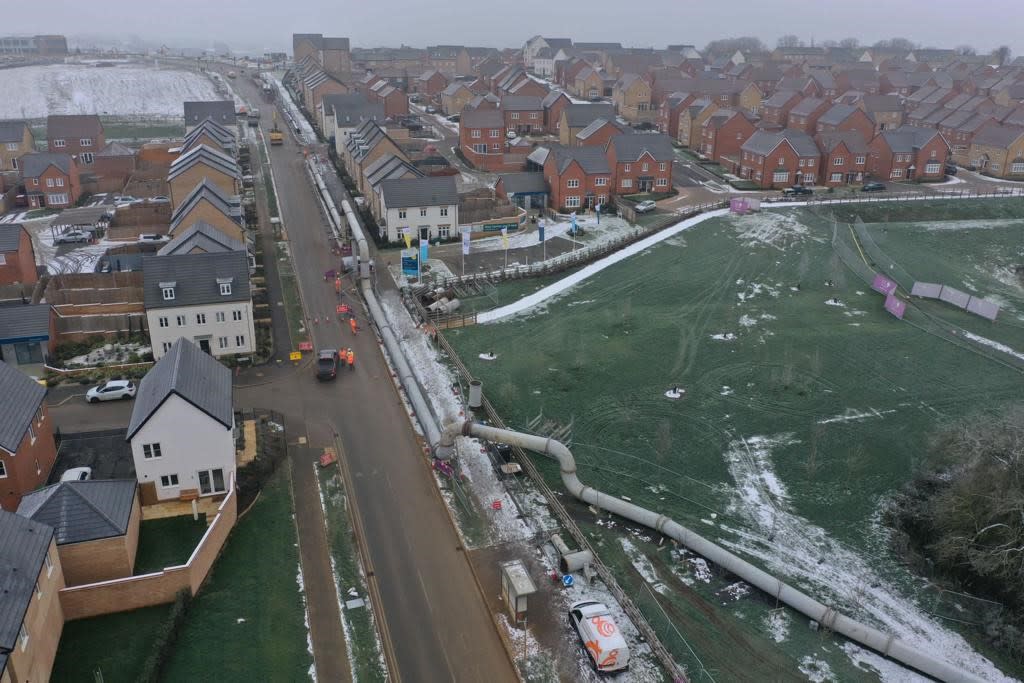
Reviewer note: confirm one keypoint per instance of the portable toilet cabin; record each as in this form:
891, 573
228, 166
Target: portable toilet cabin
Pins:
516, 586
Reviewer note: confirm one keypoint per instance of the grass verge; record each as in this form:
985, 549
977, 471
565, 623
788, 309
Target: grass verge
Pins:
167, 542
290, 296
116, 645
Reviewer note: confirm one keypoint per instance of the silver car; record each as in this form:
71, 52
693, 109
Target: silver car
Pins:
646, 206
112, 390
73, 237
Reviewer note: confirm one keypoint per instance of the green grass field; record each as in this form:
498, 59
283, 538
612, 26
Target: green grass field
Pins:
116, 645
254, 580
167, 542
800, 417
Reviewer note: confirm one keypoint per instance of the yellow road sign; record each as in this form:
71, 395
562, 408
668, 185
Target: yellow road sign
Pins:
295, 355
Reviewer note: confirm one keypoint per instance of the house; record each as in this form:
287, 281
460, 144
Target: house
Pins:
16, 140
524, 114
387, 167
775, 110
455, 97
95, 525
341, 114
885, 110
780, 159
525, 85
111, 169
431, 83
722, 135
843, 157
963, 134
318, 85
443, 57
80, 135
908, 153
396, 102
727, 93
538, 43
184, 387
208, 204
363, 146
691, 118
428, 206
553, 104
17, 256
221, 112
212, 134
598, 133
199, 164
577, 177
845, 117
469, 59
31, 618
366, 84
204, 298
998, 151
591, 83
27, 450
482, 138
51, 179
669, 111
805, 114
641, 163
576, 117
526, 190
200, 238
632, 99
544, 62
566, 72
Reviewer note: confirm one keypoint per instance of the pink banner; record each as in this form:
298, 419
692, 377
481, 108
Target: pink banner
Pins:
883, 285
895, 306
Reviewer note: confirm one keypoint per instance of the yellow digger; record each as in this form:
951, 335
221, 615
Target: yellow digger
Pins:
276, 136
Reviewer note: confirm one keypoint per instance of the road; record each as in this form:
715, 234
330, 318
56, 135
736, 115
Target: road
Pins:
438, 620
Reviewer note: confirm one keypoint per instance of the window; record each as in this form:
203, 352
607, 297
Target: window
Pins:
662, 182
236, 315
211, 481
780, 177
475, 133
401, 214
59, 181
57, 198
85, 157
200, 318
168, 293
167, 346
222, 342
896, 173
14, 164
423, 212
931, 167
600, 182
572, 183
494, 132
49, 182
12, 146
625, 168
27, 353
515, 115
35, 182
59, 142
838, 161
859, 160
802, 163
1017, 167
150, 451
48, 563
219, 316
662, 166
810, 162
444, 231
836, 178
495, 147
85, 142
602, 199
239, 340
180, 320
164, 322
627, 182
533, 115
168, 480
644, 167
225, 288
572, 202
23, 637
480, 149
444, 210
3, 260
3, 470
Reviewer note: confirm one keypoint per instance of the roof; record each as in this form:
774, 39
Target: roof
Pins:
196, 278
521, 103
23, 545
580, 115
558, 42
74, 126
908, 138
352, 108
196, 377
220, 111
211, 192
482, 118
389, 166
24, 321
35, 164
20, 397
82, 511
12, 131
207, 156
763, 142
836, 114
596, 125
211, 129
807, 106
454, 87
998, 136
523, 183
426, 191
853, 140
631, 147
202, 237
877, 103
334, 44
116, 149
10, 236
781, 98
590, 159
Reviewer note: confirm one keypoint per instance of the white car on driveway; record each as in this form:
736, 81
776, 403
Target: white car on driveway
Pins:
646, 206
77, 474
112, 390
73, 237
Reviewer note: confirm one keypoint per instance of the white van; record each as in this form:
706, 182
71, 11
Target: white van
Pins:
602, 638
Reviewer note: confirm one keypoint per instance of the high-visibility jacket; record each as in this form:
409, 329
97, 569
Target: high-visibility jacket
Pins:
351, 357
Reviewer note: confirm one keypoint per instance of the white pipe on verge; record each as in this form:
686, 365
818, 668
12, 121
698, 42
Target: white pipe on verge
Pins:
879, 641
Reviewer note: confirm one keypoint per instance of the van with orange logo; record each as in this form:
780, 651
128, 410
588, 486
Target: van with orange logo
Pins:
600, 635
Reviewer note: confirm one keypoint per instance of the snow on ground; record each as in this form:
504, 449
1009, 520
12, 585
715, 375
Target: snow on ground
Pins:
305, 619
610, 228
887, 670
777, 622
15, 216
75, 258
816, 670
984, 341
804, 552
118, 353
937, 226
642, 565
776, 230
546, 293
854, 415
129, 90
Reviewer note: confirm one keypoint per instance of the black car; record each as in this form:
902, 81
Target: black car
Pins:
327, 364
951, 169
796, 191
873, 187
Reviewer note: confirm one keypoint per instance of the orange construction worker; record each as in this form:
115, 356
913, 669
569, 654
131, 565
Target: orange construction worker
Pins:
350, 355
352, 324
337, 286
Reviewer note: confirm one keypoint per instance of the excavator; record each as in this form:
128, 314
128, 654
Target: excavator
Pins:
276, 136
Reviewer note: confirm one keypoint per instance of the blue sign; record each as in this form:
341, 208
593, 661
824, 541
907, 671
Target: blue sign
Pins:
409, 262
424, 249
540, 231
567, 580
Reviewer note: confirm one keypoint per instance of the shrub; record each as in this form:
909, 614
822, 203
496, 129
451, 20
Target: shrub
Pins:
165, 638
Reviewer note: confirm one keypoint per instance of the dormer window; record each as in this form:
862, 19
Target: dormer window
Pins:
168, 290
225, 285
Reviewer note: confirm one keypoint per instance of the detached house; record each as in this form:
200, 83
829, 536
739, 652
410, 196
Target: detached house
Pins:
885, 110
844, 157
576, 117
482, 138
27, 450
185, 387
723, 133
428, 206
221, 112
998, 151
524, 114
80, 135
553, 104
204, 298
805, 114
455, 97
845, 117
17, 256
632, 98
598, 133
641, 163
775, 110
577, 177
908, 153
16, 140
51, 180
669, 111
780, 159
431, 83
199, 164
692, 118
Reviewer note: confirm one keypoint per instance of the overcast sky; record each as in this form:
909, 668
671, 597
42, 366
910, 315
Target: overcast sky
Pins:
267, 24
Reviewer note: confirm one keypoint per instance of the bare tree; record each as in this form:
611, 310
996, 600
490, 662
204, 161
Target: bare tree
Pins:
897, 44
789, 40
1002, 54
726, 46
830, 43
965, 50
849, 43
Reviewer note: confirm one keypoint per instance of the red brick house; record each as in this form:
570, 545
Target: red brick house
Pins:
669, 111
111, 169
775, 110
641, 163
598, 133
430, 83
804, 116
843, 157
846, 117
482, 138
780, 159
554, 103
722, 135
27, 450
17, 256
526, 86
395, 102
577, 177
366, 83
523, 114
80, 135
908, 153
51, 180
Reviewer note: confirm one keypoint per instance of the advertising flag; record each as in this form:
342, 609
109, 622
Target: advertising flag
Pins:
407, 236
465, 242
424, 250
540, 230
504, 237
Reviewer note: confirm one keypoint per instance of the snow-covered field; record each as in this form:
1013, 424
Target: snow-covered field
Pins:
124, 90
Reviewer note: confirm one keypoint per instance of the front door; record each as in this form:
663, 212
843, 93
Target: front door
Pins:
645, 184
204, 345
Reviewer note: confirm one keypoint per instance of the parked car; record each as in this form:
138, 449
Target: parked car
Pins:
111, 390
951, 169
455, 118
431, 110
154, 237
327, 364
646, 206
873, 187
597, 629
796, 191
159, 199
73, 237
77, 474
124, 200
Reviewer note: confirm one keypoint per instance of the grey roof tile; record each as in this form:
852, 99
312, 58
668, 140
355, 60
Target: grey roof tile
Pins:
482, 118
208, 156
426, 191
73, 126
23, 545
521, 103
82, 511
10, 236
195, 277
206, 191
516, 183
201, 236
34, 164
591, 159
632, 147
12, 131
21, 321
20, 398
580, 115
220, 111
